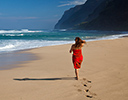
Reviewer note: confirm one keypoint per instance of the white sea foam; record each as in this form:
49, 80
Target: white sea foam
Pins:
6, 47
63, 30
19, 31
13, 34
112, 37
14, 45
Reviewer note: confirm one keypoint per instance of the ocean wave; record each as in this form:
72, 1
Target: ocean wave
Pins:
20, 41
12, 34
19, 31
6, 47
112, 37
14, 45
63, 30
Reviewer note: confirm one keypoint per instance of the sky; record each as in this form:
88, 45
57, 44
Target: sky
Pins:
33, 14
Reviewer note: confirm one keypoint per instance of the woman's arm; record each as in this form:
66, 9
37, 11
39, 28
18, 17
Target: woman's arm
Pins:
83, 42
71, 49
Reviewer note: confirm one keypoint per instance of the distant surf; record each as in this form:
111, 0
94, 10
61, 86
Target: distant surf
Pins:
13, 40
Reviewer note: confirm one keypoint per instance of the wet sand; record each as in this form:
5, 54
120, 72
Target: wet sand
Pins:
10, 59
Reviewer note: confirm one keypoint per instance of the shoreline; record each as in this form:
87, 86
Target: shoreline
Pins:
51, 76
29, 55
5, 65
12, 47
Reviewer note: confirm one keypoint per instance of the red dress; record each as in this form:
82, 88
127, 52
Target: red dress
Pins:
77, 58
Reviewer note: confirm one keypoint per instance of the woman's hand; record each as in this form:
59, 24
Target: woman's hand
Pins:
84, 41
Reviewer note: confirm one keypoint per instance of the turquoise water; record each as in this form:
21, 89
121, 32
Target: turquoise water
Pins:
13, 40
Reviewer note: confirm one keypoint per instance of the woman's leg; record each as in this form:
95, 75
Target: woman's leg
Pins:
77, 73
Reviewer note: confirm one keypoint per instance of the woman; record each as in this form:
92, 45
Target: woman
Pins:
77, 56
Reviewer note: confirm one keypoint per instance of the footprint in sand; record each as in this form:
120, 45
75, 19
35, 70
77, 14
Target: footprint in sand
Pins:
84, 87
89, 96
87, 90
89, 81
84, 79
79, 90
87, 85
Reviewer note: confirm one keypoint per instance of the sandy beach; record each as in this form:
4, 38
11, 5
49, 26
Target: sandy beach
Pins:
103, 76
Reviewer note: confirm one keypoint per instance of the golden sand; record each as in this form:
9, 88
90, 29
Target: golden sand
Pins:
103, 76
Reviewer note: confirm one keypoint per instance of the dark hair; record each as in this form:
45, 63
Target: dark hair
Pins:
78, 42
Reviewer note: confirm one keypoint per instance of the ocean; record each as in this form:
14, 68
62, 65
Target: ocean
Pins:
14, 40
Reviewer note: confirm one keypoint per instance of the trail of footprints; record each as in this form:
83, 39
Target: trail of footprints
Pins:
86, 85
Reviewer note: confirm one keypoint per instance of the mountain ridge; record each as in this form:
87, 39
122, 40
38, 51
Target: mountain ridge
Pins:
77, 14
106, 15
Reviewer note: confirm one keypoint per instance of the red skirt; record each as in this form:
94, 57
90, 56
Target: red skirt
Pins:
77, 58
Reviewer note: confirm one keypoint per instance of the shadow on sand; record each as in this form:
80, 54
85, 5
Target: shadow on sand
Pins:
43, 79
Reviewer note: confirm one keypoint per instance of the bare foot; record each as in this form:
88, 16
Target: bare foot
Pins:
76, 78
